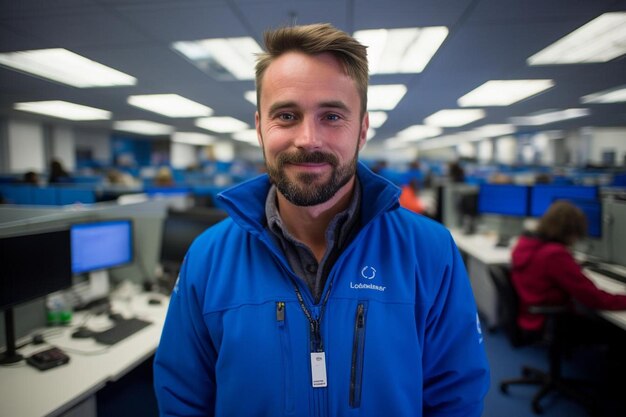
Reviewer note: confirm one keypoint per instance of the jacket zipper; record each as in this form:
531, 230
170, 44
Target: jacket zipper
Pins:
358, 347
286, 355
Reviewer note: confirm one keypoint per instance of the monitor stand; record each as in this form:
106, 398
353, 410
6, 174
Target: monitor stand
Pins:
10, 355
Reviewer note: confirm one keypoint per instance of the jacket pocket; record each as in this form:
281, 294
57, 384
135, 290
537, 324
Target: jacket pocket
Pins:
285, 348
358, 348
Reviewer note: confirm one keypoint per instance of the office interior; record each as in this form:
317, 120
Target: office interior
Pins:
565, 138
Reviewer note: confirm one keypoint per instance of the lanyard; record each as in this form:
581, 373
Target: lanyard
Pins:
317, 344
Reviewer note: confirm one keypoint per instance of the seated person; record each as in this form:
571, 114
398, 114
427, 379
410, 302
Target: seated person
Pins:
544, 272
410, 198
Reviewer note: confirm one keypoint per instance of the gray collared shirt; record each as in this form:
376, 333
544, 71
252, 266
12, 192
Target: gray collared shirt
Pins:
339, 233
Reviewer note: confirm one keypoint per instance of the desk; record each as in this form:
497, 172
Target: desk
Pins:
28, 392
611, 286
481, 252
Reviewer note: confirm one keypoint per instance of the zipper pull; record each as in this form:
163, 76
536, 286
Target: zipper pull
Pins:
280, 311
360, 321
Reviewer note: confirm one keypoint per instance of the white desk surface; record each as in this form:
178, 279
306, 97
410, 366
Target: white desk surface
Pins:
28, 392
482, 247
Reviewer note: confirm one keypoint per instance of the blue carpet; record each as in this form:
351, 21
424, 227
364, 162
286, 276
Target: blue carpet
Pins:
586, 364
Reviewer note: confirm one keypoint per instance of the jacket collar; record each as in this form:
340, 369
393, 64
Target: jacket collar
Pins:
245, 202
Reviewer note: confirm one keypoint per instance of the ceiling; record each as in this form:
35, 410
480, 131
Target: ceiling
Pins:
488, 39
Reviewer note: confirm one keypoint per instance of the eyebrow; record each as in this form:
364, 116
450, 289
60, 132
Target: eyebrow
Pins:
333, 104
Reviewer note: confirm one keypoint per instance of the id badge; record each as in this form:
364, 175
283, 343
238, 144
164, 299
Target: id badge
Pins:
318, 369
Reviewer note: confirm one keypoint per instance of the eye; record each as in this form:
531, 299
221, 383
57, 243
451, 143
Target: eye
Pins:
286, 117
332, 117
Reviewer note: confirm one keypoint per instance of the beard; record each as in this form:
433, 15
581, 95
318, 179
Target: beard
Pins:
307, 189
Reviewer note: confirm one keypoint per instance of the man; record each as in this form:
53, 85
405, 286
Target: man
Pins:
319, 296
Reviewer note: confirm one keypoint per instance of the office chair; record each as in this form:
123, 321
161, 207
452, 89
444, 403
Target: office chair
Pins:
549, 381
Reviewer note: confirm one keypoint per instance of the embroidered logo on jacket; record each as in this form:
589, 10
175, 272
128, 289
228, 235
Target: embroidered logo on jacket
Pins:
368, 273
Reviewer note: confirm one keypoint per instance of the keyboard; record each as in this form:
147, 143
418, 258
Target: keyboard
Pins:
608, 273
120, 331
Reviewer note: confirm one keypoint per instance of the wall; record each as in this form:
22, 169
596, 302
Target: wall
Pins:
63, 146
607, 139
25, 147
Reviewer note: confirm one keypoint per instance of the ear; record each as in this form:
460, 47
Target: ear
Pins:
365, 124
257, 125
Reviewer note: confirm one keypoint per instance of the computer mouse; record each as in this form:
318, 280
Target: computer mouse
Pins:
116, 316
82, 333
38, 339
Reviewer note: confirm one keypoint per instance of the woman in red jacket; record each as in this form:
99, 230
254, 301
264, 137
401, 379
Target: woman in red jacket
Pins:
545, 272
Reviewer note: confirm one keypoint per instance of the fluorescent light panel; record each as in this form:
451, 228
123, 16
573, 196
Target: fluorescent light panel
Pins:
503, 92
170, 105
66, 67
600, 40
377, 118
454, 117
63, 110
143, 127
223, 58
248, 135
384, 97
222, 124
404, 50
192, 138
250, 96
613, 95
418, 132
549, 117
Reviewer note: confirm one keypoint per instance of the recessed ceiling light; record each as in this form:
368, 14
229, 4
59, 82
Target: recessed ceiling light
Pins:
377, 118
405, 50
549, 116
503, 92
66, 67
223, 58
491, 131
63, 110
613, 95
454, 117
222, 124
192, 138
250, 96
418, 132
248, 135
143, 127
170, 105
384, 97
600, 40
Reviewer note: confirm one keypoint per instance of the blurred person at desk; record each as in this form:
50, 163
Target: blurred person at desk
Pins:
318, 295
544, 272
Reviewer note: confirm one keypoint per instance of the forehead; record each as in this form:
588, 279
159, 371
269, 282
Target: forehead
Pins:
295, 75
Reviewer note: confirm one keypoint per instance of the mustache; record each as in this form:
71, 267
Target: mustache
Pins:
302, 157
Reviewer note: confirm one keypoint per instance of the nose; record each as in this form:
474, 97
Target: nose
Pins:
308, 135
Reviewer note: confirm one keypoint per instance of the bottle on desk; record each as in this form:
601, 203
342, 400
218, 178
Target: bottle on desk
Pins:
58, 310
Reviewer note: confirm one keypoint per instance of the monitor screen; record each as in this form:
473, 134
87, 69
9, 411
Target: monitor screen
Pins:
33, 266
101, 245
592, 209
542, 195
503, 199
181, 227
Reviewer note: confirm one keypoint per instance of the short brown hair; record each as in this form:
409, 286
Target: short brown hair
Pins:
312, 40
563, 222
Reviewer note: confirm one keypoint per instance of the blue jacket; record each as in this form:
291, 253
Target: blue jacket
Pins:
400, 329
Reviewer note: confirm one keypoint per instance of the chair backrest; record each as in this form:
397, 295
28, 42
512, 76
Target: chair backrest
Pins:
508, 302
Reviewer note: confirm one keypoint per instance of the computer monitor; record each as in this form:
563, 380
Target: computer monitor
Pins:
503, 199
180, 228
98, 246
101, 245
33, 265
592, 209
542, 195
